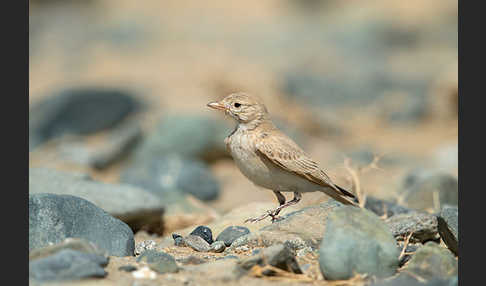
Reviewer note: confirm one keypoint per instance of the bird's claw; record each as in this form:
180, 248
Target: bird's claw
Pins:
270, 213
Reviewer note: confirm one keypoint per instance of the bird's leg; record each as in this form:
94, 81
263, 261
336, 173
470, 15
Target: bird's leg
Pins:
296, 199
281, 200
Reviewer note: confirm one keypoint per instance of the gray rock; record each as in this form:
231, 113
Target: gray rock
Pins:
204, 232
449, 227
163, 175
188, 135
382, 207
79, 111
432, 261
145, 245
78, 244
420, 187
231, 233
423, 226
119, 145
68, 264
53, 218
133, 205
301, 228
279, 256
158, 261
218, 246
412, 109
197, 243
356, 241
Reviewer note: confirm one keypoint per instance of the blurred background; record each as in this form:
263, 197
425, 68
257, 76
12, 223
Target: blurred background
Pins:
118, 90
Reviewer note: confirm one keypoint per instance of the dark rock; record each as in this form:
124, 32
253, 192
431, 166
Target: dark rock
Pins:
278, 256
163, 175
229, 234
158, 261
449, 227
78, 244
178, 240
79, 111
127, 268
420, 187
423, 226
356, 241
432, 261
186, 135
53, 218
197, 243
134, 206
382, 207
68, 264
204, 232
119, 145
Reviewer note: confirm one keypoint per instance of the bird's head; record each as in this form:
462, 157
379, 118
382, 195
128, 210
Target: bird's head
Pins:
242, 107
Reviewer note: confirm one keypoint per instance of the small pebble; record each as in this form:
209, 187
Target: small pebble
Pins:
218, 246
242, 248
204, 232
197, 243
144, 245
178, 240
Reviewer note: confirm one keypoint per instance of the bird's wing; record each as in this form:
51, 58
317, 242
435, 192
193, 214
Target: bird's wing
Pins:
286, 154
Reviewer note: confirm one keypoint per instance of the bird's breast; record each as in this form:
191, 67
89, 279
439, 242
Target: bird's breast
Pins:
243, 151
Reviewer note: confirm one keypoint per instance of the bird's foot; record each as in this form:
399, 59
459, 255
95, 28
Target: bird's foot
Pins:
269, 213
263, 216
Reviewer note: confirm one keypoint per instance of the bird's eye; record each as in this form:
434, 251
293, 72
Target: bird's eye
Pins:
237, 104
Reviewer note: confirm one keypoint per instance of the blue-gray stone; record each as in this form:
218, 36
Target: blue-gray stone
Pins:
158, 261
135, 206
231, 233
187, 135
68, 264
433, 261
163, 175
82, 110
53, 218
355, 240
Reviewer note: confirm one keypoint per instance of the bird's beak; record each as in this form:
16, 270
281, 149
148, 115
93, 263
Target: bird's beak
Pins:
216, 105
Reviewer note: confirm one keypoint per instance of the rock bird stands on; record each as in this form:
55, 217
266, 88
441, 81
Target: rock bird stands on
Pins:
270, 159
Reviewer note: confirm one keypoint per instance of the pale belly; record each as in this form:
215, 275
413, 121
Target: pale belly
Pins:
263, 173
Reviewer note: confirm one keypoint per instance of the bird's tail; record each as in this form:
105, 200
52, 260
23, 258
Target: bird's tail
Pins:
341, 195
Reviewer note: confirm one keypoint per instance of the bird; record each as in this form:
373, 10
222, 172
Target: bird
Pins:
269, 158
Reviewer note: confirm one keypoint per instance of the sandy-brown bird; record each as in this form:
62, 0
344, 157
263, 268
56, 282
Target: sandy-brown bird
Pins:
270, 159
